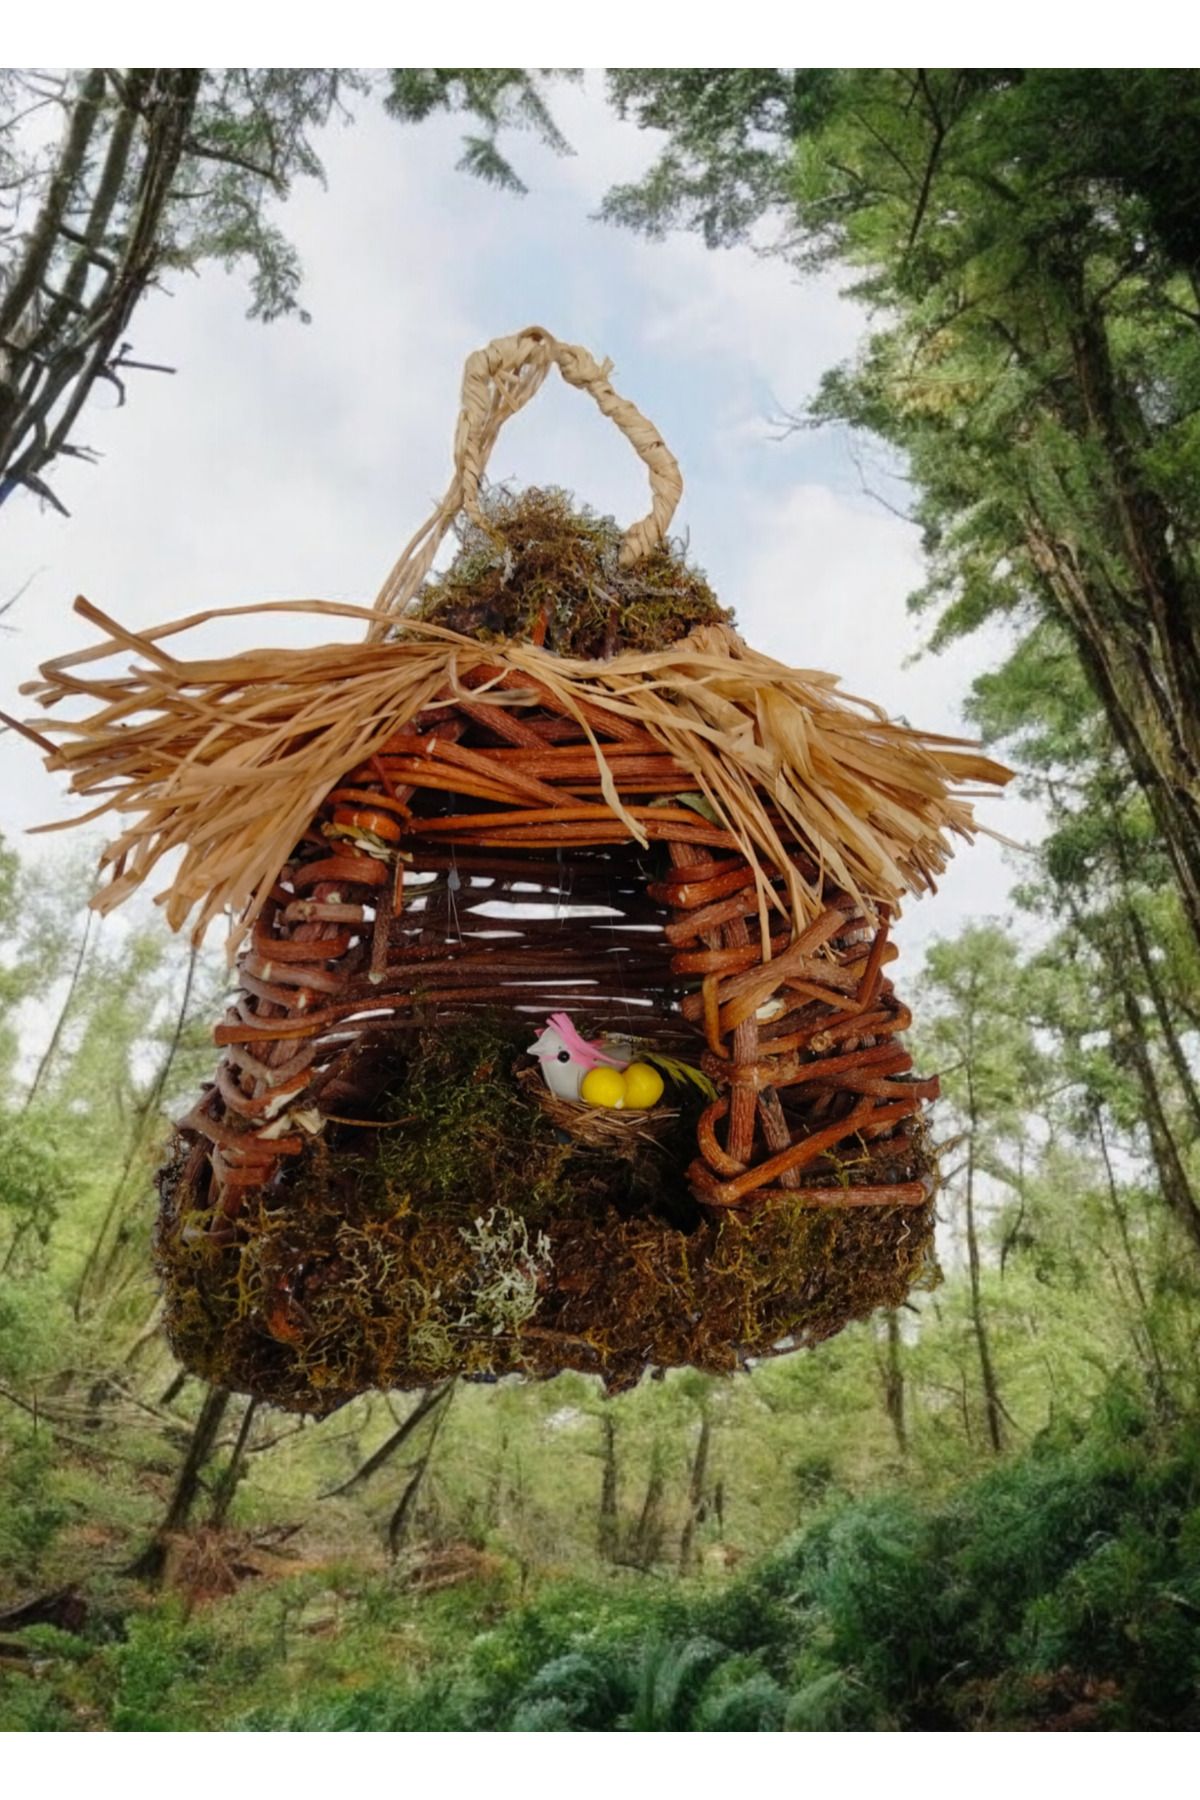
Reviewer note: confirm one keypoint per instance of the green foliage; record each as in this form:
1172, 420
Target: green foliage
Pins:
755, 1703
1029, 242
157, 1673
374, 1708
32, 1512
1026, 240
27, 1704
38, 1176
576, 1692
1071, 1568
842, 1579
499, 99
670, 1679
33, 1315
156, 170
728, 158
834, 1701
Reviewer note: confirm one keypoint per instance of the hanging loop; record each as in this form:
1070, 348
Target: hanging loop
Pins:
497, 382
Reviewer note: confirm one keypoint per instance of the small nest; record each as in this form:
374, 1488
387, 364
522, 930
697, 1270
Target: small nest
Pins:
463, 1234
625, 1132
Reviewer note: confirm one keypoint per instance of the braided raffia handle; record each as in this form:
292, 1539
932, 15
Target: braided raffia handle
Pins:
497, 382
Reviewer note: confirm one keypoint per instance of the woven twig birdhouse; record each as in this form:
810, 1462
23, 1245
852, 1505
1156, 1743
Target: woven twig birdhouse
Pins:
553, 780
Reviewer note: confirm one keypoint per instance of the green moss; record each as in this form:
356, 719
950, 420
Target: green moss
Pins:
546, 566
458, 1117
463, 1233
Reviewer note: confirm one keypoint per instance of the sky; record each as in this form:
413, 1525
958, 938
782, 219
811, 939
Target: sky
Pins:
293, 461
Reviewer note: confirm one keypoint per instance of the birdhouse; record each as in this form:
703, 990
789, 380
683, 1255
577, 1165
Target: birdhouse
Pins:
553, 784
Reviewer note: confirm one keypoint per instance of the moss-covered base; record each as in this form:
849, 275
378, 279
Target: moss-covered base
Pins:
547, 570
463, 1234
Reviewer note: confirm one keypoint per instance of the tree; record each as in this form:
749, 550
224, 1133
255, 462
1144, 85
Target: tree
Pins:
607, 1516
155, 171
497, 99
40, 931
980, 1039
37, 1180
1029, 238
151, 1562
146, 1119
1102, 877
891, 1375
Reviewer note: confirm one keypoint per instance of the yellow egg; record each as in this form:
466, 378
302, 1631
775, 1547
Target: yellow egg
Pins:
603, 1087
643, 1085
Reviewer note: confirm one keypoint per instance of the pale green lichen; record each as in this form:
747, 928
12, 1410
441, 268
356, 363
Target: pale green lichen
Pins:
510, 1270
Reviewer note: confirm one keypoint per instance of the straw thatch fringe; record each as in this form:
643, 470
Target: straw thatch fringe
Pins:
228, 758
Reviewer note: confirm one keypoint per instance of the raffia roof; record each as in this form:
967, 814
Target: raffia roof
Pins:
228, 758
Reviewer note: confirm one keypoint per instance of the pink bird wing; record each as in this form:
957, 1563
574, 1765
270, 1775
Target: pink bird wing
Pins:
582, 1049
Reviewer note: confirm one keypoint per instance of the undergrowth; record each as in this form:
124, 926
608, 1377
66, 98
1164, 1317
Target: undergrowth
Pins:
1059, 1591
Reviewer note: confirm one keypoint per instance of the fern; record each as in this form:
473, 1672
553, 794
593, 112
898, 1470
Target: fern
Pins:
546, 1715
755, 1704
578, 1691
823, 1704
671, 1678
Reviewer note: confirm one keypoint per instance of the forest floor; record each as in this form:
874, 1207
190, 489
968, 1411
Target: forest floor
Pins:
1059, 1591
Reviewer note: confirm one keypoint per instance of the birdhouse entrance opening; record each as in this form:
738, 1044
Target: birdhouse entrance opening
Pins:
532, 934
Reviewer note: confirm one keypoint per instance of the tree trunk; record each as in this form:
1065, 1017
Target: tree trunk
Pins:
149, 1565
1132, 1047
1156, 1373
1133, 706
28, 276
607, 1521
993, 1409
893, 1383
54, 354
1163, 585
399, 1522
51, 1050
1176, 1054
1128, 596
1168, 1163
24, 1227
173, 1388
144, 1116
493, 1505
646, 1544
227, 1486
389, 1447
695, 1511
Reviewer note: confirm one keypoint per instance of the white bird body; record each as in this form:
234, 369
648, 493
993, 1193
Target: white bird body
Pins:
566, 1057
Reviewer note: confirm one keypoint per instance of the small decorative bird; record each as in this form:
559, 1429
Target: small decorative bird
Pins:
566, 1057
611, 1072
